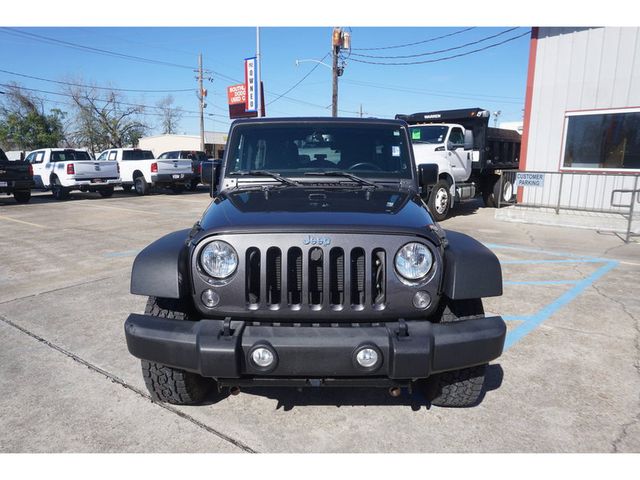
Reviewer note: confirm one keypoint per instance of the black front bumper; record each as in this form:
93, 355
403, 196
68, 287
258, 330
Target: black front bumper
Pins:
410, 350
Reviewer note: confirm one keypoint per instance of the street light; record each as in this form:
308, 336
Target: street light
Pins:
298, 62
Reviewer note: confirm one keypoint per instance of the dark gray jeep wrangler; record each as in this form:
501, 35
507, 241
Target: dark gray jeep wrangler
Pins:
317, 264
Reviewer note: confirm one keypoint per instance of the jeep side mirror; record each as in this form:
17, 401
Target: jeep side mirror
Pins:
210, 174
468, 140
427, 175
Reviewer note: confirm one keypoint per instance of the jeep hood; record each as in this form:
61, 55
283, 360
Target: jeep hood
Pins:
317, 209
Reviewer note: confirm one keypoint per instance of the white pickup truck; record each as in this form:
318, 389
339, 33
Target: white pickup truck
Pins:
140, 169
62, 170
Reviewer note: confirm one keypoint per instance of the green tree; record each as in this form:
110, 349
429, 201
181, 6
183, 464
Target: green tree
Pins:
24, 123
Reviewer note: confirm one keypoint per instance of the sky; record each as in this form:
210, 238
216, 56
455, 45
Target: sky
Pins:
494, 78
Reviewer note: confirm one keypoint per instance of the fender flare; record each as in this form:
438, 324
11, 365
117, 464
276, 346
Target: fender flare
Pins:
161, 269
471, 269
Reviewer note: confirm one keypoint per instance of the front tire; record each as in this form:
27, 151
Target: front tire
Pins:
168, 384
22, 196
459, 388
463, 387
439, 201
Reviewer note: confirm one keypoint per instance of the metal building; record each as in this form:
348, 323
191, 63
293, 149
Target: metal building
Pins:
582, 118
214, 143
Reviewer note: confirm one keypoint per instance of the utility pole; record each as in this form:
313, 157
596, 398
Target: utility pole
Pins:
201, 96
360, 110
335, 49
259, 73
339, 40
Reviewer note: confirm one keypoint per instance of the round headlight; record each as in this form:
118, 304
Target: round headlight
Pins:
414, 261
219, 259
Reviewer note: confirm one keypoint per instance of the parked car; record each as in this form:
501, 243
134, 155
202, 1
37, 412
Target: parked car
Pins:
209, 172
139, 169
323, 270
63, 170
16, 178
196, 157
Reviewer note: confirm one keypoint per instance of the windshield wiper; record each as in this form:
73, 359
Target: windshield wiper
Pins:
266, 173
340, 173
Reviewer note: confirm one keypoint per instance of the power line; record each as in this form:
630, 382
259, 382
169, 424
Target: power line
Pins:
468, 96
93, 86
51, 40
445, 58
139, 105
434, 52
417, 43
299, 81
100, 51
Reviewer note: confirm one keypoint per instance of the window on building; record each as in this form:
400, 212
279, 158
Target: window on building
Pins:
602, 139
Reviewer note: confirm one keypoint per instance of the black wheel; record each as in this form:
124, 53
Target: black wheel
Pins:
141, 185
57, 190
193, 185
457, 388
106, 192
168, 384
176, 188
439, 201
503, 190
126, 187
22, 196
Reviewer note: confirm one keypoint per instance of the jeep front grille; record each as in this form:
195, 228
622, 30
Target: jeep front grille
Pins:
320, 277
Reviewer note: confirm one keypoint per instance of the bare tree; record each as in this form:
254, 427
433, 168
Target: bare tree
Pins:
170, 115
105, 120
25, 122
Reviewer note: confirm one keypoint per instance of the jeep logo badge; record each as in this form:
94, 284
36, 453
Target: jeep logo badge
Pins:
311, 240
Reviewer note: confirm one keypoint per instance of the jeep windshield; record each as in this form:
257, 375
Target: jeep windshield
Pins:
314, 152
434, 134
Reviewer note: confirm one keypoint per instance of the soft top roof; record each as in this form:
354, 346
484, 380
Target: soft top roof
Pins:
336, 120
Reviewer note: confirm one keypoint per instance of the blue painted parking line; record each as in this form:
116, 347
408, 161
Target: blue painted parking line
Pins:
528, 323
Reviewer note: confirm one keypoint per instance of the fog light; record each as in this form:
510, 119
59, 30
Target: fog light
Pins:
421, 300
367, 357
210, 298
262, 357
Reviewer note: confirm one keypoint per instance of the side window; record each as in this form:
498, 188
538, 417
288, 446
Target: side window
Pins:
39, 157
30, 157
172, 155
456, 136
102, 157
112, 155
163, 156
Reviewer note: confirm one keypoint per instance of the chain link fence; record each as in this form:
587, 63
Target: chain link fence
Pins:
606, 193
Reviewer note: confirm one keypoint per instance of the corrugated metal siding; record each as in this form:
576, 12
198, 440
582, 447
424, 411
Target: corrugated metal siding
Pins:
579, 69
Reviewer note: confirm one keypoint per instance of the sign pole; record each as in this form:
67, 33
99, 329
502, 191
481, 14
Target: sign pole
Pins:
258, 74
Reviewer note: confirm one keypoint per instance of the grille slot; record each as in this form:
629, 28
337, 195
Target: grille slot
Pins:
316, 275
294, 276
378, 278
336, 277
252, 287
274, 276
357, 277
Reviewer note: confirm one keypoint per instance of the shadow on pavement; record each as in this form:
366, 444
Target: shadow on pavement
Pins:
288, 398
